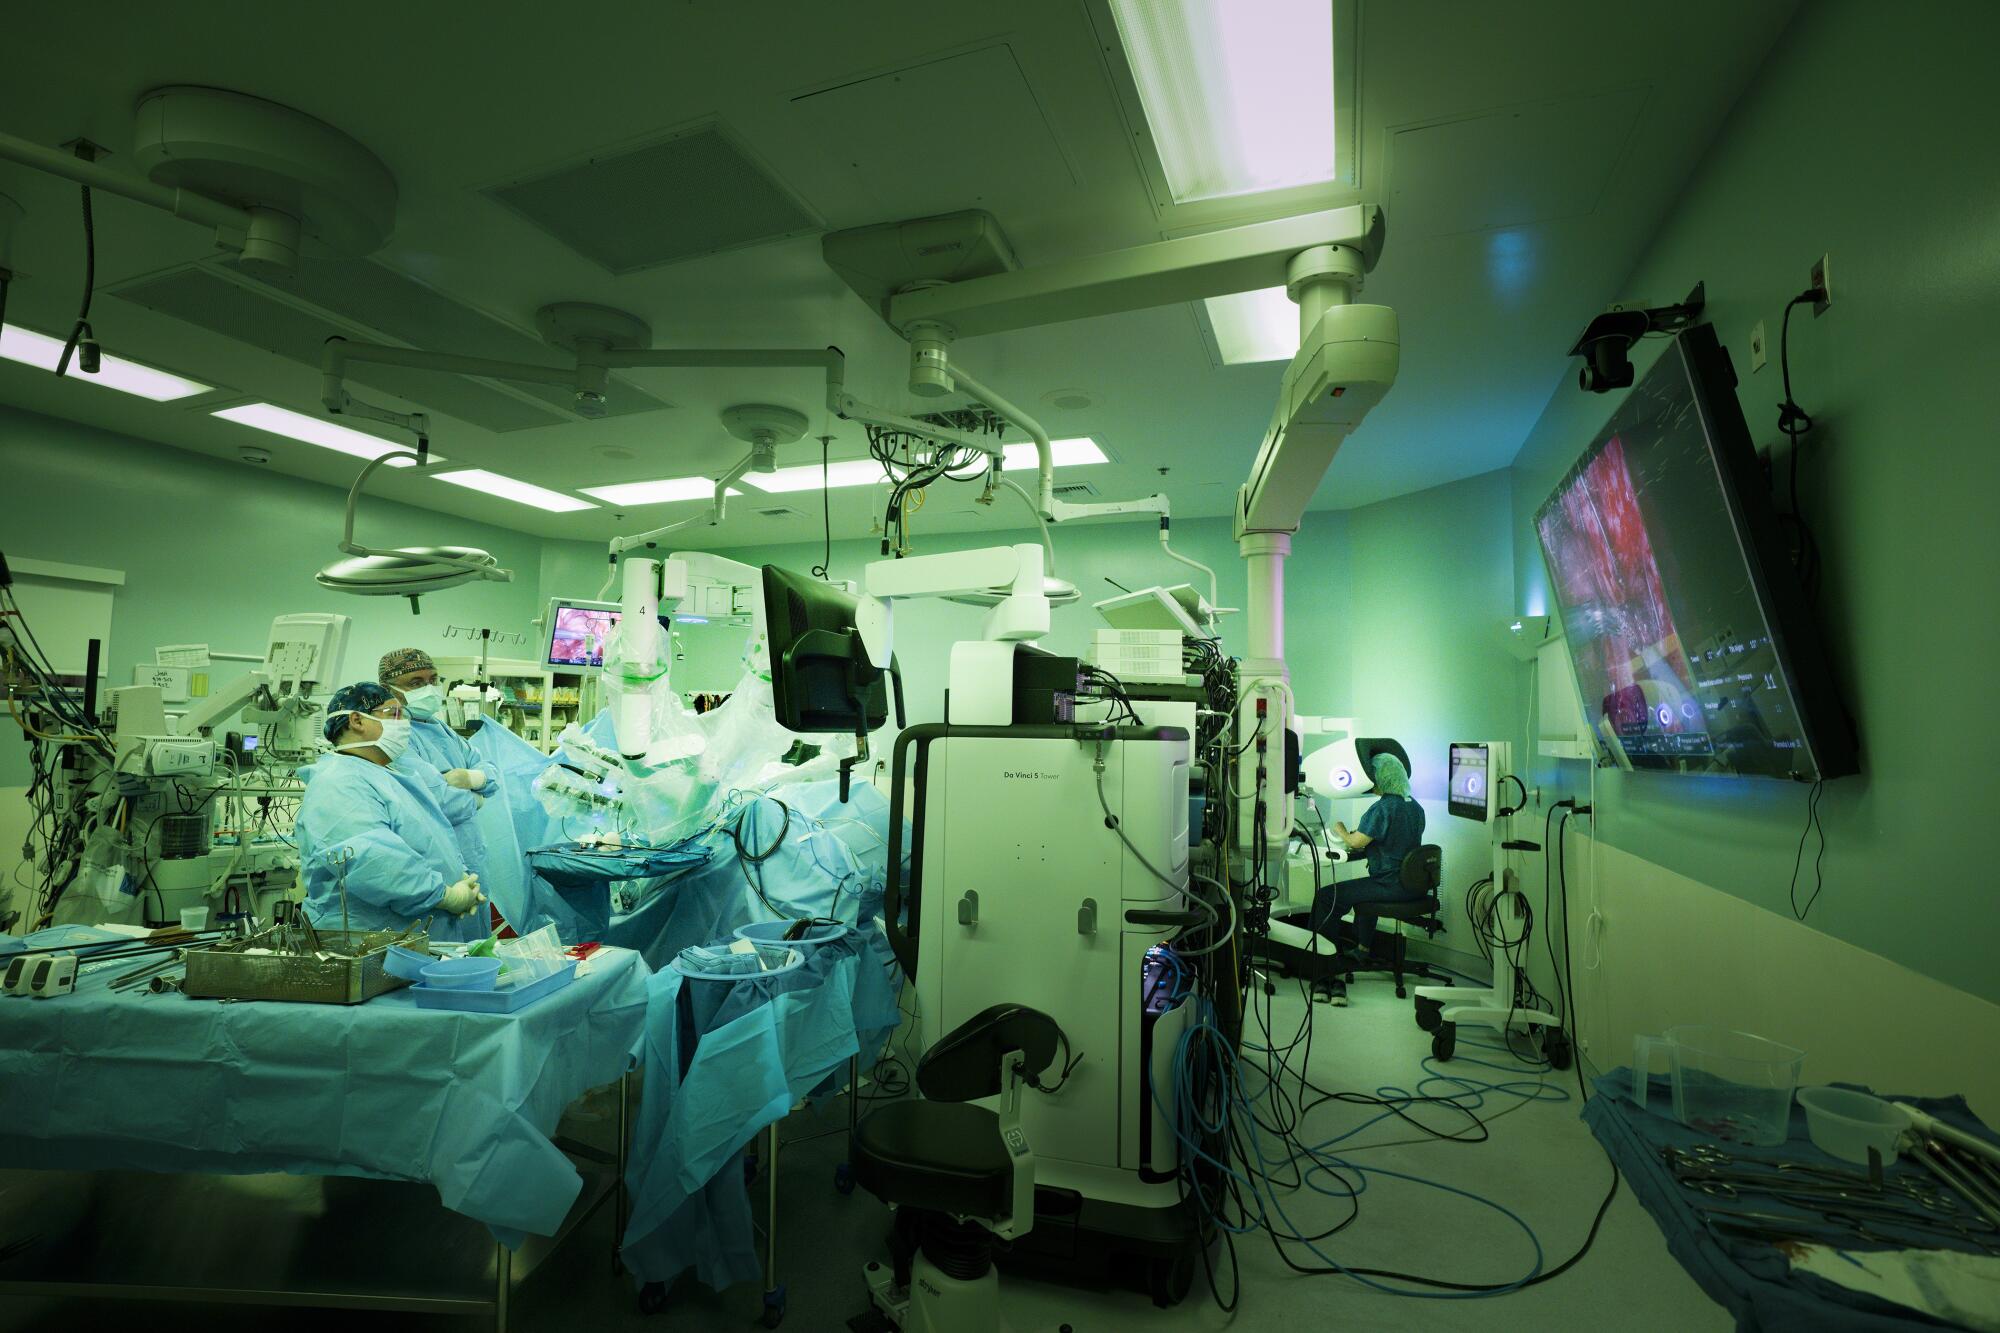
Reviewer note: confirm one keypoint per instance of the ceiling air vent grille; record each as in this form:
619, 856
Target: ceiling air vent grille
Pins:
696, 193
780, 511
1074, 490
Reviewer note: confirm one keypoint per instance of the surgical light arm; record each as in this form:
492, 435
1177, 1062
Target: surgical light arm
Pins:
349, 546
224, 704
1014, 573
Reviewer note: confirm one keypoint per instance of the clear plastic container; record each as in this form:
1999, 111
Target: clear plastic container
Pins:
1732, 1085
194, 918
1847, 1124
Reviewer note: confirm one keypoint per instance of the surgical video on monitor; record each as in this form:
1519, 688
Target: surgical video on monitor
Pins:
1674, 653
578, 634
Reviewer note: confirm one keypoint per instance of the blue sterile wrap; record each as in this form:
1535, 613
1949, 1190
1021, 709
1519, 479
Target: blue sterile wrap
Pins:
468, 1102
724, 1059
1749, 1277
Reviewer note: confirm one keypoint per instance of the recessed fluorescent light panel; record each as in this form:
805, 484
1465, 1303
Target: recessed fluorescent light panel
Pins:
1067, 453
520, 492
1254, 326
114, 372
806, 477
316, 430
656, 492
1238, 93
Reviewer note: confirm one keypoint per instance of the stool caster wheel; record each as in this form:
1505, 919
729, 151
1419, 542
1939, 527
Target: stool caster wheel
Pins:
652, 1298
1444, 1042
1402, 992
1556, 1049
1270, 988
1430, 1013
1169, 1280
843, 1179
774, 1308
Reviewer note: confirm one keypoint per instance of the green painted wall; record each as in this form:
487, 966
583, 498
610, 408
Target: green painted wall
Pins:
213, 550
1871, 139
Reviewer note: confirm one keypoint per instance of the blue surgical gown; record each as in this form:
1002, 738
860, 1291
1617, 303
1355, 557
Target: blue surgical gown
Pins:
391, 827
440, 749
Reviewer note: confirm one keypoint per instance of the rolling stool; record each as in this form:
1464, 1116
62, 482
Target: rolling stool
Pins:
1423, 871
958, 1176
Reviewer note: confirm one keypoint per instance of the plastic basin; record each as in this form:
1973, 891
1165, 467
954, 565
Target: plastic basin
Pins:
1727, 1084
773, 933
462, 973
1847, 1124
408, 964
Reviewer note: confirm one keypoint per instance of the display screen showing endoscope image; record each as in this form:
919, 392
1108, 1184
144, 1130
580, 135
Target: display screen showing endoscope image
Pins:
576, 638
1665, 602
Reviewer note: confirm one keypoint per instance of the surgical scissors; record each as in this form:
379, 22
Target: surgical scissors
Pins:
1717, 1173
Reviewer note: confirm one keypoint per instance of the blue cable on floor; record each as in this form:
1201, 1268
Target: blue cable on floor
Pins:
1192, 1122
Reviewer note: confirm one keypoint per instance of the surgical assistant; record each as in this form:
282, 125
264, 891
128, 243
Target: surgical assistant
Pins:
382, 828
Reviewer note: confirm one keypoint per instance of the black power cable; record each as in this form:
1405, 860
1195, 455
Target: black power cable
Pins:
1796, 423
1819, 878
82, 330
825, 508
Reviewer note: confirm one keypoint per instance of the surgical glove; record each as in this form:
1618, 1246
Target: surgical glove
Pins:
462, 897
469, 779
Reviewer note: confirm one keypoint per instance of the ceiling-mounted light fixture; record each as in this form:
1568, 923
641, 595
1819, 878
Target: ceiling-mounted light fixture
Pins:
1078, 452
664, 491
405, 571
1238, 93
313, 430
1250, 327
808, 476
520, 492
113, 372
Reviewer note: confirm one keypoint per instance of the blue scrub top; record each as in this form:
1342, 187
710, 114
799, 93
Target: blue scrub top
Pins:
399, 842
1396, 823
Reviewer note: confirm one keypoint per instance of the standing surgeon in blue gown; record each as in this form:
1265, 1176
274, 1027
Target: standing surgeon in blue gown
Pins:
383, 828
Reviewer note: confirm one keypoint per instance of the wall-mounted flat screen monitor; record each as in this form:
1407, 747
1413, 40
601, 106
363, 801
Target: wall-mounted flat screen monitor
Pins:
1694, 647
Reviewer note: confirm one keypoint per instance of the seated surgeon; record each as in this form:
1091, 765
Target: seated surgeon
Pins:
1391, 829
382, 828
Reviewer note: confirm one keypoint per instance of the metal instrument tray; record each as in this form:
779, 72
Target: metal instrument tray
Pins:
346, 968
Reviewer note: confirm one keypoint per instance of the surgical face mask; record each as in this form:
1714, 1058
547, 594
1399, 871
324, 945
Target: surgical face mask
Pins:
424, 701
393, 741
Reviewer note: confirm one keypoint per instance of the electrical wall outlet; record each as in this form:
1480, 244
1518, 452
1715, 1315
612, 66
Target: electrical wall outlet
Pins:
1757, 355
1821, 280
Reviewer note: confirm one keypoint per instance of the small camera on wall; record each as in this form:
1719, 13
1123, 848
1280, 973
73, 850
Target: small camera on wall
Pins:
1606, 343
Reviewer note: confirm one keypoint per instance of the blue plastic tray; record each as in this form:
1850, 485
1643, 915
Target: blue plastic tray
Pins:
501, 1000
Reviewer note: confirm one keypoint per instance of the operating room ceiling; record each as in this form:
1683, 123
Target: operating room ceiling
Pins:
679, 160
